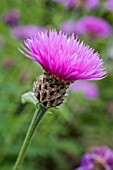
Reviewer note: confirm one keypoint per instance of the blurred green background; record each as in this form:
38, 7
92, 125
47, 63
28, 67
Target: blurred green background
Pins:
74, 128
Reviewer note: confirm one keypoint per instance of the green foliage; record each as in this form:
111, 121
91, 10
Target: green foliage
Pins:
72, 129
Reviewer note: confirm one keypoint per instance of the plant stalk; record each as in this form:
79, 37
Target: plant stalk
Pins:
39, 113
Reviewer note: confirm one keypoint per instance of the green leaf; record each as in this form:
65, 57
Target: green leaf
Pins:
29, 98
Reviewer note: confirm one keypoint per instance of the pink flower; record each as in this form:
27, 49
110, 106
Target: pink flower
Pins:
100, 158
25, 31
68, 26
64, 57
90, 4
12, 17
109, 5
68, 3
94, 26
90, 90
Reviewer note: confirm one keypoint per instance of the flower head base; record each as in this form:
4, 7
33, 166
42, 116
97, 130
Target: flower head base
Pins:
50, 91
65, 58
100, 159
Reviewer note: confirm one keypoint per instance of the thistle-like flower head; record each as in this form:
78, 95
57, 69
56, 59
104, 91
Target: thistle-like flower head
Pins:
64, 57
64, 60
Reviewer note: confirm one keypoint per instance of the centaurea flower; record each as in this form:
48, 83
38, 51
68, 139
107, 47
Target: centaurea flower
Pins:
94, 26
92, 4
69, 26
89, 4
101, 158
68, 3
12, 17
25, 31
109, 5
65, 60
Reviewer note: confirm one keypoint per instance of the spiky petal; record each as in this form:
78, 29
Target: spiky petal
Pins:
64, 57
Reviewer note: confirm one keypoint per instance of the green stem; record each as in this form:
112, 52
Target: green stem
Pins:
34, 124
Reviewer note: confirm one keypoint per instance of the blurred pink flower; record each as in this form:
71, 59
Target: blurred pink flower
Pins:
90, 4
68, 3
68, 26
64, 57
90, 90
101, 158
109, 5
93, 26
12, 17
25, 31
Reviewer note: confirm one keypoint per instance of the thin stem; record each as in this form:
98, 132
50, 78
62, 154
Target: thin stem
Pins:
39, 113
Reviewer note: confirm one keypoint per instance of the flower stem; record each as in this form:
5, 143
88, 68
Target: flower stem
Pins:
39, 113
